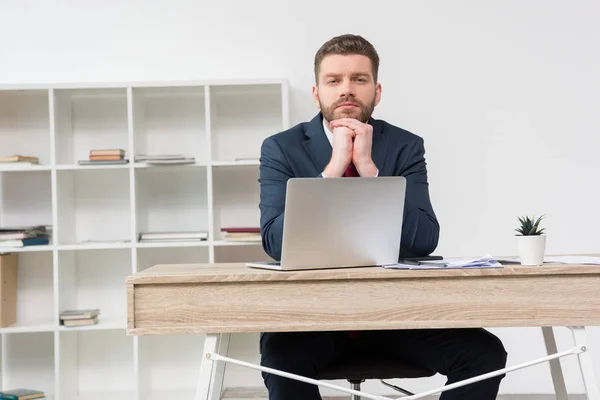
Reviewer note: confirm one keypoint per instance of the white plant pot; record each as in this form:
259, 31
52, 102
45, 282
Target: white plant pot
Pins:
531, 249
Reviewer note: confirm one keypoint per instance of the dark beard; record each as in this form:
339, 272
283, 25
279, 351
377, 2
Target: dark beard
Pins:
364, 113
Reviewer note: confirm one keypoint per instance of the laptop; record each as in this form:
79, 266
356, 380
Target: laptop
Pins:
340, 223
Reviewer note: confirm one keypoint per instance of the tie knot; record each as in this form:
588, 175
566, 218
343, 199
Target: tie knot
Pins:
351, 171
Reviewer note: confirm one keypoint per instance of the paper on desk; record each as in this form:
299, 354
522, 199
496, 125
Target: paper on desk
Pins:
580, 260
453, 263
573, 260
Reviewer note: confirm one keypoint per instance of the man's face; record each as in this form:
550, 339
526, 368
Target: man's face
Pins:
346, 88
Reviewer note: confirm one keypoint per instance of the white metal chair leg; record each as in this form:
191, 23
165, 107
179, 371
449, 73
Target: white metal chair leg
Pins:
210, 380
216, 389
555, 369
219, 358
579, 350
585, 363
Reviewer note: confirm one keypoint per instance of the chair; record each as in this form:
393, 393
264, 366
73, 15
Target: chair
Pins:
359, 369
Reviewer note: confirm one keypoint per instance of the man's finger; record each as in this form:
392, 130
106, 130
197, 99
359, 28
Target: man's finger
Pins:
348, 122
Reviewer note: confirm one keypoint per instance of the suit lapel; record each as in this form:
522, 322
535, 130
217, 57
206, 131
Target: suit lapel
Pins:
317, 145
319, 149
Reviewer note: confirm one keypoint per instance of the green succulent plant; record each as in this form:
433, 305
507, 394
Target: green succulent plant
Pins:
530, 226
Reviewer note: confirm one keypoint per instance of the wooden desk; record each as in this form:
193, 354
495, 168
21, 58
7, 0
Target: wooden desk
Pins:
217, 299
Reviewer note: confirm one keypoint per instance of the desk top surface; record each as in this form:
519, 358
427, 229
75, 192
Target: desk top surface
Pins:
239, 272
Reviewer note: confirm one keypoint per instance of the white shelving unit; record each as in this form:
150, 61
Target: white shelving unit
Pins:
97, 213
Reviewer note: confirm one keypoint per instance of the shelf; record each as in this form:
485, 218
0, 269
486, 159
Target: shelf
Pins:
88, 119
169, 363
105, 323
239, 163
93, 205
27, 249
95, 363
172, 244
97, 212
171, 199
95, 245
243, 114
23, 167
25, 198
34, 326
169, 166
29, 361
25, 124
170, 121
75, 167
95, 279
228, 243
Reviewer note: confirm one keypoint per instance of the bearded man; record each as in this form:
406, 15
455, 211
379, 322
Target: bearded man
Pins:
344, 140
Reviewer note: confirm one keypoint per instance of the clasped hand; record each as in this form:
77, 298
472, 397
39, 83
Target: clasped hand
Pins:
352, 143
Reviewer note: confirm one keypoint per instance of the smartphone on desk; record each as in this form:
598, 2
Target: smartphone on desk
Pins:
410, 260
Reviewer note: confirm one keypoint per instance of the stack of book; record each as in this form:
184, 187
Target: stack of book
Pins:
172, 236
239, 234
105, 156
79, 317
22, 394
164, 159
19, 160
21, 236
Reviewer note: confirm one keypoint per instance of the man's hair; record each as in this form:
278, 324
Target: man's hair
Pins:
346, 45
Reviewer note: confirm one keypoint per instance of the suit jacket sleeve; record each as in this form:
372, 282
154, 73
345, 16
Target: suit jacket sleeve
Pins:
274, 174
420, 228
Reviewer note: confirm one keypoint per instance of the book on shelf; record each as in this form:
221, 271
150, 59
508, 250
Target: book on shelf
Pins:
241, 229
79, 317
243, 237
164, 159
105, 157
242, 234
107, 153
22, 394
80, 313
80, 322
19, 159
165, 236
35, 241
102, 162
23, 232
21, 236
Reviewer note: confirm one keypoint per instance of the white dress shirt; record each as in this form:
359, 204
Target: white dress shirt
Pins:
329, 135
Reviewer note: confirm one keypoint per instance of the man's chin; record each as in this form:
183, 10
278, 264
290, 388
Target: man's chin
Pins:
347, 114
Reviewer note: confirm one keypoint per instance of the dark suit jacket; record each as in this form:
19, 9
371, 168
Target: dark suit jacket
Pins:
305, 151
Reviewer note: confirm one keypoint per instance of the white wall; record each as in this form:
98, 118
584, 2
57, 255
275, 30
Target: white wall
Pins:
505, 93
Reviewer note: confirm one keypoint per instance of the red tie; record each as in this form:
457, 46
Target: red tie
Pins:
351, 171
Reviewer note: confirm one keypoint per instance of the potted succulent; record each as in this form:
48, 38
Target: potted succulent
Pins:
531, 241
